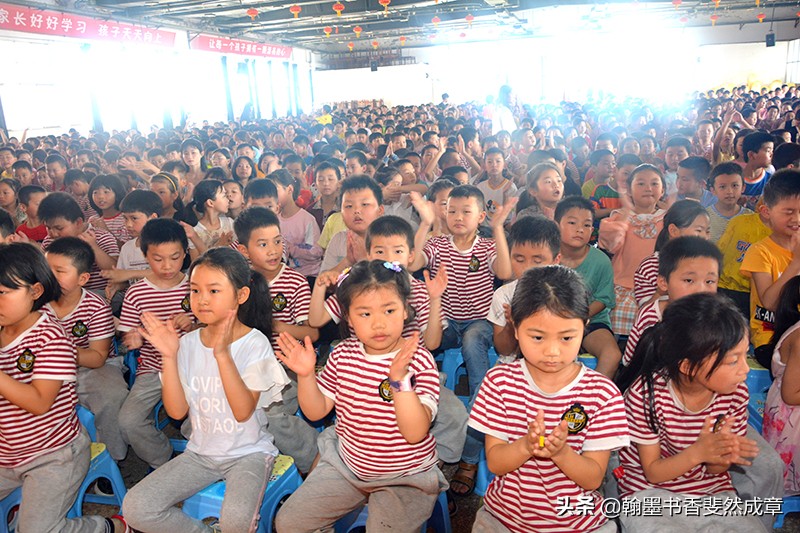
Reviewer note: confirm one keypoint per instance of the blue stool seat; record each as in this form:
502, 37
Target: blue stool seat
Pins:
588, 360
755, 410
758, 378
101, 466
285, 479
9, 511
483, 476
86, 418
791, 504
132, 362
439, 520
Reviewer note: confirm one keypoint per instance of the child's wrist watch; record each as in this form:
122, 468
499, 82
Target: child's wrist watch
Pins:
407, 384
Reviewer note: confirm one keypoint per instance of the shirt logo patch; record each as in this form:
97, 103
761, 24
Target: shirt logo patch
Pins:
25, 361
474, 264
79, 329
279, 302
185, 304
385, 391
576, 418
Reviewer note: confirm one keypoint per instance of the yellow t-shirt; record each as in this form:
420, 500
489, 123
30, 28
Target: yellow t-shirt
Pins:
588, 188
333, 225
742, 231
764, 256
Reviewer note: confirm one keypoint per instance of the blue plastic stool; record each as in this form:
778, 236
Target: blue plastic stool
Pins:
483, 476
9, 510
86, 418
132, 362
285, 479
319, 425
755, 410
758, 378
439, 520
101, 466
791, 504
588, 360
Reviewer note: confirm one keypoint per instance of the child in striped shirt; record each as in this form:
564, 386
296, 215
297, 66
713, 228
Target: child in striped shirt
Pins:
105, 196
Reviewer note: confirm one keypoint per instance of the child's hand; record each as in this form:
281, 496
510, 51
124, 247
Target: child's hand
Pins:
507, 314
183, 322
114, 276
712, 446
225, 238
327, 278
500, 216
162, 335
402, 360
223, 336
191, 234
89, 237
300, 358
18, 237
795, 243
100, 224
356, 248
133, 340
111, 289
424, 208
437, 285
744, 449
392, 193
544, 446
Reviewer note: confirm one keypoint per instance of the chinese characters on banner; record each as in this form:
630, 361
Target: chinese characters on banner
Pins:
42, 21
209, 43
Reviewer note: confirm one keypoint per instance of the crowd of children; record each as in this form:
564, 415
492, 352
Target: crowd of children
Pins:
223, 253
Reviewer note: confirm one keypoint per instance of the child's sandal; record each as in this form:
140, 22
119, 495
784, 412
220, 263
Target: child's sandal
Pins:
464, 479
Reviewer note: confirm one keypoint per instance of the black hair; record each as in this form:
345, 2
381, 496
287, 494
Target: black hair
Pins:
699, 166
753, 143
162, 231
646, 167
111, 182
555, 288
628, 159
256, 311
785, 155
597, 155
724, 168
7, 226
77, 250
140, 201
59, 205
371, 275
679, 141
360, 182
358, 155
681, 214
74, 175
171, 182
253, 172
204, 191
438, 186
216, 173
689, 247
782, 185
260, 188
468, 191
539, 156
283, 178
327, 165
535, 173
572, 202
22, 164
24, 265
385, 175
194, 143
535, 229
55, 158
390, 226
251, 219
787, 312
684, 335
171, 167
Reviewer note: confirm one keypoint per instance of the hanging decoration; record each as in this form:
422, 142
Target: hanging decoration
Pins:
436, 20
677, 3
328, 30
295, 10
758, 3
252, 13
469, 18
350, 46
716, 3
684, 19
374, 45
385, 4
761, 17
462, 34
338, 7
714, 19
357, 30
402, 40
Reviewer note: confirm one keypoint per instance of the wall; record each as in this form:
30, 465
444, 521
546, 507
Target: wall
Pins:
404, 84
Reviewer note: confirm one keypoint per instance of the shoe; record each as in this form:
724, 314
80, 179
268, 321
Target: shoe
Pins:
119, 524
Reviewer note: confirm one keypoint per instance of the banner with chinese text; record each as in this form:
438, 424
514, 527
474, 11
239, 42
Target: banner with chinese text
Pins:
210, 43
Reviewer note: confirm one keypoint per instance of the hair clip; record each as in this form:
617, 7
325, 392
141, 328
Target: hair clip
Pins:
393, 265
343, 276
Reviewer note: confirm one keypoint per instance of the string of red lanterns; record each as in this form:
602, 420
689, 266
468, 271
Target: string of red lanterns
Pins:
295, 10
338, 7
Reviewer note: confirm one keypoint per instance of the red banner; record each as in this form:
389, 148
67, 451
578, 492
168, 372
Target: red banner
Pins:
43, 21
210, 43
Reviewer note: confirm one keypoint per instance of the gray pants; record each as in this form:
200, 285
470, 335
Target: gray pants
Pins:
136, 421
150, 505
398, 505
450, 426
293, 435
103, 391
485, 522
762, 479
50, 485
680, 523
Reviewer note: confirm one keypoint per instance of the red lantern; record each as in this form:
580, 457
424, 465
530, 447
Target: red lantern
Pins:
385, 4
462, 34
328, 31
350, 46
338, 7
684, 20
761, 17
295, 10
716, 3
714, 19
374, 45
402, 40
469, 18
677, 3
436, 20
252, 13
758, 3
358, 31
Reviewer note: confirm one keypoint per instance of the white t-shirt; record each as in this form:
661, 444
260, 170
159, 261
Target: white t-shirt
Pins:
215, 431
335, 252
210, 237
131, 257
503, 295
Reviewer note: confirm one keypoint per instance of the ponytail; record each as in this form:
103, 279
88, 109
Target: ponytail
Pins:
256, 312
643, 363
787, 313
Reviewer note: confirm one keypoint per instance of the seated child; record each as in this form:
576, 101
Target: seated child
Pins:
105, 194
726, 184
327, 180
692, 181
575, 219
213, 228
262, 193
220, 376
437, 195
545, 190
497, 188
606, 198
602, 169
676, 150
77, 184
757, 149
45, 450
235, 193
299, 230
390, 181
686, 265
550, 422
683, 218
9, 202
30, 196
167, 188
62, 216
89, 324
165, 294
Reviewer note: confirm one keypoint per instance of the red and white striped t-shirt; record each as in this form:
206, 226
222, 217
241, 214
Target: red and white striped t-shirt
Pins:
90, 320
43, 352
420, 302
163, 303
525, 499
470, 276
291, 299
678, 429
647, 317
115, 225
107, 243
370, 443
645, 279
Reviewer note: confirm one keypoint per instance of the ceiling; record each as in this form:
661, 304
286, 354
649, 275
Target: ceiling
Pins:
413, 19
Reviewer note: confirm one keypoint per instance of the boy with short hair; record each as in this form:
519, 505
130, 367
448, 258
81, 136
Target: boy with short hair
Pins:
757, 150
606, 198
7, 234
601, 169
22, 172
63, 217
677, 149
575, 219
56, 167
687, 265
30, 196
262, 193
692, 179
88, 321
496, 188
774, 260
726, 185
77, 185
165, 293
